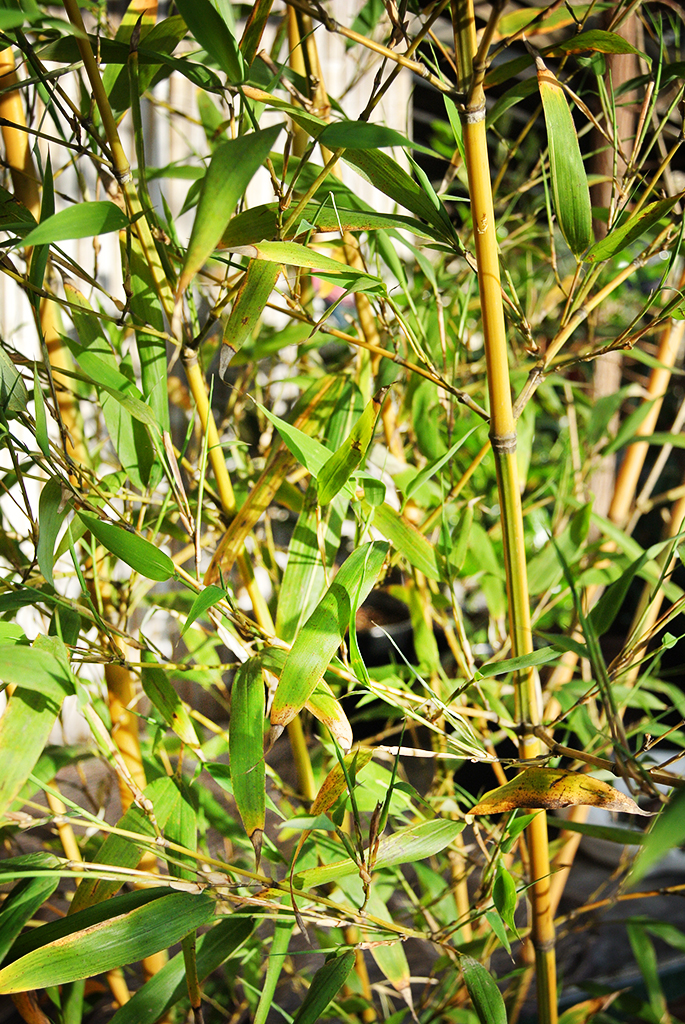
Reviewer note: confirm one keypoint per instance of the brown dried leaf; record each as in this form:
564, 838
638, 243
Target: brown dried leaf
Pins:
551, 788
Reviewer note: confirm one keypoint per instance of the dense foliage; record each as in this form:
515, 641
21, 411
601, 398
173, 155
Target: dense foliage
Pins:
388, 487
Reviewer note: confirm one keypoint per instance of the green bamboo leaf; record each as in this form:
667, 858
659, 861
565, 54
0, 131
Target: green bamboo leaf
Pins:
13, 215
619, 238
390, 957
611, 834
404, 536
293, 254
168, 986
51, 513
254, 293
325, 985
349, 456
307, 450
145, 309
497, 925
388, 177
231, 169
109, 51
29, 716
504, 896
36, 669
569, 181
407, 845
500, 668
322, 633
161, 693
121, 401
429, 471
166, 36
137, 552
597, 40
125, 852
214, 34
646, 959
303, 580
246, 750
486, 997
83, 220
261, 222
283, 930
510, 98
14, 397
27, 896
667, 832
122, 938
207, 598
366, 135
181, 828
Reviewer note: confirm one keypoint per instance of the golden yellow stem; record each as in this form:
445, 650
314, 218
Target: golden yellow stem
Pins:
633, 461
64, 830
503, 440
17, 142
303, 763
117, 986
121, 693
198, 389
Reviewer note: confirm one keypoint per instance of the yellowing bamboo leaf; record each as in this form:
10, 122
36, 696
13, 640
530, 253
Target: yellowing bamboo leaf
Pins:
343, 462
326, 707
586, 1011
570, 191
254, 29
597, 40
160, 691
552, 788
253, 295
122, 938
334, 785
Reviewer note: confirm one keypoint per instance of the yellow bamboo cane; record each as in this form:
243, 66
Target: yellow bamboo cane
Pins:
471, 68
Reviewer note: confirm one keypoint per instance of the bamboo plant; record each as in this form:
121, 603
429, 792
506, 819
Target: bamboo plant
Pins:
260, 414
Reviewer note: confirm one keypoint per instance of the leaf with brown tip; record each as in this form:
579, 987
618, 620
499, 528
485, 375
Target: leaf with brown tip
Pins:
551, 788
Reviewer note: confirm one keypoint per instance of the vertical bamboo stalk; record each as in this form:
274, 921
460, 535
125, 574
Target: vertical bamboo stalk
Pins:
471, 68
